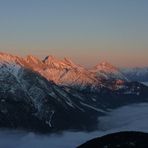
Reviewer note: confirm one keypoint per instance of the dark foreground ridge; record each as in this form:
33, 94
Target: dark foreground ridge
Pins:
119, 140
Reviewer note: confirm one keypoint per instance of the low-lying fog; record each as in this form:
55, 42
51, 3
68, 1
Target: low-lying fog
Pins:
134, 117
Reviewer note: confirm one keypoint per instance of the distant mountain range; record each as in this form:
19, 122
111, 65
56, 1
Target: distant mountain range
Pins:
136, 74
54, 95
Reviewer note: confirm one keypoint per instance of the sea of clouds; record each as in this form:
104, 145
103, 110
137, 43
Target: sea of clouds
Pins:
128, 118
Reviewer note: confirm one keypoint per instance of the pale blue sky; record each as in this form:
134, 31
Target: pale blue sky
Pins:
87, 31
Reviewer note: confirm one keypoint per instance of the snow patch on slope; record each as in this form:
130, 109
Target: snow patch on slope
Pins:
92, 107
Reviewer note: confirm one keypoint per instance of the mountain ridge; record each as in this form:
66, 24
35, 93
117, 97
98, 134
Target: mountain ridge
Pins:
65, 72
31, 99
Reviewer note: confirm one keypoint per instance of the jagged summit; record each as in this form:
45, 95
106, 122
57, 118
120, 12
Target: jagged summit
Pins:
105, 66
32, 59
67, 73
68, 62
54, 62
8, 57
64, 71
107, 71
49, 58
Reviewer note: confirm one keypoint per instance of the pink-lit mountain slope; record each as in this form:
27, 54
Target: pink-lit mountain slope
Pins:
64, 72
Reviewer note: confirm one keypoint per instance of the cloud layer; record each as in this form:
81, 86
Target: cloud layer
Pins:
134, 117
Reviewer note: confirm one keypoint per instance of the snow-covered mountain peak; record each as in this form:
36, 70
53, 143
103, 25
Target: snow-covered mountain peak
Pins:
136, 74
32, 59
107, 71
7, 57
49, 58
63, 71
105, 66
52, 62
11, 59
69, 63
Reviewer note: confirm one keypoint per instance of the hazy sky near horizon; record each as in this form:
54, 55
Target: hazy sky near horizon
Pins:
88, 31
